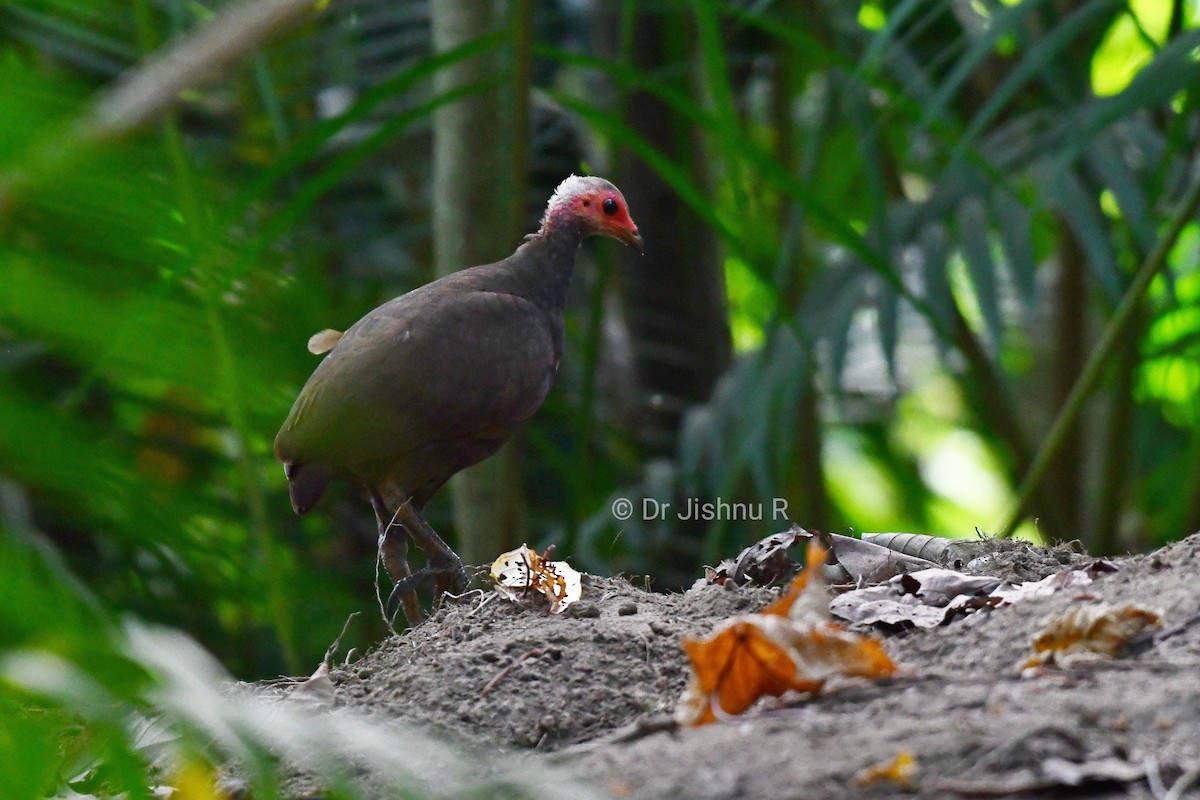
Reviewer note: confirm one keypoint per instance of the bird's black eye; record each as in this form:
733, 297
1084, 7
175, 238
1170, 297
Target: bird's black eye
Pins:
610, 206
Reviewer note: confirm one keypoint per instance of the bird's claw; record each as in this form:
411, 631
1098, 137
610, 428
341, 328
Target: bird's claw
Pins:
448, 576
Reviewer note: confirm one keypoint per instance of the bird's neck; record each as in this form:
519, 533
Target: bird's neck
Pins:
547, 260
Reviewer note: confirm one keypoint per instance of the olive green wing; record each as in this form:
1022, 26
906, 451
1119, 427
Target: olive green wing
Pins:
426, 367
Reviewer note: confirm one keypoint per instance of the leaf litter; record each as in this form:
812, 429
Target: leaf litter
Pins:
792, 645
592, 689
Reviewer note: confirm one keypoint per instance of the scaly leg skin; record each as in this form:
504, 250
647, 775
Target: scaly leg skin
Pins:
393, 548
444, 564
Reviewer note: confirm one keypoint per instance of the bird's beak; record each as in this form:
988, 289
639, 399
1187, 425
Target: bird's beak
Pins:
631, 238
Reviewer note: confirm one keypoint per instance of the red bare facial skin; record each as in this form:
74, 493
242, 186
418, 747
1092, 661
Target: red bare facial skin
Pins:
601, 212
618, 224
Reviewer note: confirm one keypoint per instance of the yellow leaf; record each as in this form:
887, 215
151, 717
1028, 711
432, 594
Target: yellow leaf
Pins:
195, 780
1097, 630
899, 770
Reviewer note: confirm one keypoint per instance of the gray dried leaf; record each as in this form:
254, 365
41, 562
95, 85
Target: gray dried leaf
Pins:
938, 586
1010, 593
923, 599
873, 563
872, 607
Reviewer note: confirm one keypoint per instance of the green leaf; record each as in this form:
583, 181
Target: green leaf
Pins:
1173, 69
1110, 168
1000, 25
976, 249
1040, 57
1014, 223
1082, 213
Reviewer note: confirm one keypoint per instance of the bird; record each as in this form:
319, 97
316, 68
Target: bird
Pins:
436, 380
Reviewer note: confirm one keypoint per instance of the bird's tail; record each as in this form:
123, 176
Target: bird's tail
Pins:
306, 484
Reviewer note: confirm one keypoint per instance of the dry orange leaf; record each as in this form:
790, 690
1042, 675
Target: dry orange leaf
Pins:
790, 646
899, 770
809, 585
1097, 630
746, 658
829, 649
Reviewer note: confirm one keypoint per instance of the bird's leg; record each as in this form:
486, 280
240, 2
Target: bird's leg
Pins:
393, 549
444, 564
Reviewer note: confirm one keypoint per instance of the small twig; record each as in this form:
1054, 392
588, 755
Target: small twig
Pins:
485, 599
640, 729
333, 648
997, 788
1175, 630
502, 673
1154, 779
379, 595
1184, 783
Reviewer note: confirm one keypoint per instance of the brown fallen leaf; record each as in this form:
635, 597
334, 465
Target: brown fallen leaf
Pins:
761, 564
938, 586
931, 597
790, 646
923, 599
1089, 632
899, 770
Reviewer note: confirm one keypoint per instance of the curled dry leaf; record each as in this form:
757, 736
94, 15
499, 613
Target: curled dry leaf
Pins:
790, 646
520, 571
1089, 632
923, 599
761, 564
899, 770
867, 562
939, 586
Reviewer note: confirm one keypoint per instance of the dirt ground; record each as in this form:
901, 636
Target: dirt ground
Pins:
591, 692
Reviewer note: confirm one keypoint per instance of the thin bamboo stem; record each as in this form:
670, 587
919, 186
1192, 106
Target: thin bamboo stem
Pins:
1117, 327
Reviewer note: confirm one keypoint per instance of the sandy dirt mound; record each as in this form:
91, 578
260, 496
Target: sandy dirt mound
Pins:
507, 674
514, 677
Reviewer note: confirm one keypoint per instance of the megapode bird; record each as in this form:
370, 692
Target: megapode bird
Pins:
438, 379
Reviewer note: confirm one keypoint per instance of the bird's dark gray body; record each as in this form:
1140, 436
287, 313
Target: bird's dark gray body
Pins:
433, 381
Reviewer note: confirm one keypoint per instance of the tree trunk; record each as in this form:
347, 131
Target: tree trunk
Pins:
474, 203
1070, 344
675, 295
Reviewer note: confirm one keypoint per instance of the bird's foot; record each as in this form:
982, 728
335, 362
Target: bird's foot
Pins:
447, 575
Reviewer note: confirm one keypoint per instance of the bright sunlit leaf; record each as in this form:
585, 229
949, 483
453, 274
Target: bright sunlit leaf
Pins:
1125, 49
871, 16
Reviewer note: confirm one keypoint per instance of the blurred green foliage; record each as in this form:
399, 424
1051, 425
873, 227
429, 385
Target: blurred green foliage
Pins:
927, 211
